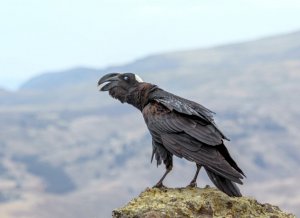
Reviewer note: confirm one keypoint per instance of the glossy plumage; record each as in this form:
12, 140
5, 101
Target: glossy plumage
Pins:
179, 127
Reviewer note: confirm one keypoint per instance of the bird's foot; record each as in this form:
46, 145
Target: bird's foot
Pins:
192, 185
159, 185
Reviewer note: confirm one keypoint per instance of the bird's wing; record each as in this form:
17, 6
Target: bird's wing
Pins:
181, 105
184, 137
188, 108
161, 120
183, 145
190, 138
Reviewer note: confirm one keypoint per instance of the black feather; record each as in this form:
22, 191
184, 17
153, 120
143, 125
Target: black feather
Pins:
187, 129
223, 184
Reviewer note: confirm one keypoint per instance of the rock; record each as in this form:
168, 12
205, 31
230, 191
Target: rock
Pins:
195, 202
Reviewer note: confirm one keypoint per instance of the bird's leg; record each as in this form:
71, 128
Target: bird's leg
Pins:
159, 184
193, 183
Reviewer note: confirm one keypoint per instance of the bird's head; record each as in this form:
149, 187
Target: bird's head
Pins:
119, 85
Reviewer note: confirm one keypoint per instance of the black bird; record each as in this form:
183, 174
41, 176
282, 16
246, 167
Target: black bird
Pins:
178, 127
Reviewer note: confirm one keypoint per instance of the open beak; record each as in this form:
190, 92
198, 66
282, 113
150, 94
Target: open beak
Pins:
108, 81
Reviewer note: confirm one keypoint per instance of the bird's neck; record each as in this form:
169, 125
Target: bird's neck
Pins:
139, 96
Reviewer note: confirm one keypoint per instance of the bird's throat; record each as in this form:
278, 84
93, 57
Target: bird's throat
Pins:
139, 96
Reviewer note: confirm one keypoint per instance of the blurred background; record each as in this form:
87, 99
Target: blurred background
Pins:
67, 150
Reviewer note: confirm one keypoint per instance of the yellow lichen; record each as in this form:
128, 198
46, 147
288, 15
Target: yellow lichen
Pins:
195, 202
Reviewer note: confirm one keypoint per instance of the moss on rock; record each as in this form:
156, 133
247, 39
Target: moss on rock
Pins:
195, 202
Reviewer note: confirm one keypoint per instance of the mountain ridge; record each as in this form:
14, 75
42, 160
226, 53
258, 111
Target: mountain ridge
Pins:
164, 60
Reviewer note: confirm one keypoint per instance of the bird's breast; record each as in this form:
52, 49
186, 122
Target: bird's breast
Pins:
154, 111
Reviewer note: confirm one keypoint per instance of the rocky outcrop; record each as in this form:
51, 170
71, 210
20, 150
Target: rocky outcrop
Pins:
195, 202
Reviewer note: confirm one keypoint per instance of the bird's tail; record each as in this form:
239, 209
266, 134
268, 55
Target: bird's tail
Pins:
224, 184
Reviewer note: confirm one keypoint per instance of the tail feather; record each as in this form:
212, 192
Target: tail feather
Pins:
224, 184
223, 150
228, 173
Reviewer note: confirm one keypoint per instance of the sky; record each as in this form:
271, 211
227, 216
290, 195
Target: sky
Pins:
52, 35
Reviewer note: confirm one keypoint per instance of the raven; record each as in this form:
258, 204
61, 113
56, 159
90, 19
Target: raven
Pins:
178, 127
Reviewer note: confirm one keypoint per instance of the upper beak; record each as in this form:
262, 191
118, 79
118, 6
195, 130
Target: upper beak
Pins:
109, 78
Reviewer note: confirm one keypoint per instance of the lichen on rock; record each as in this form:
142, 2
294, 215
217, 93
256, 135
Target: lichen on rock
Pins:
195, 202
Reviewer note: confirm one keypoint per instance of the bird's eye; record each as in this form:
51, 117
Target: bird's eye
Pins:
126, 78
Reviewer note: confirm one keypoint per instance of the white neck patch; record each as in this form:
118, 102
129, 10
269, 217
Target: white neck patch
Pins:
138, 78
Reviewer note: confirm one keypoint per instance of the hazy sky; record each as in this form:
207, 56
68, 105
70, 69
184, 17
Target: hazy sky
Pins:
39, 36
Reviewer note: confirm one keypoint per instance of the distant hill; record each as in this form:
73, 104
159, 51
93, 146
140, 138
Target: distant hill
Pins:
57, 80
72, 149
80, 75
2, 90
223, 58
273, 57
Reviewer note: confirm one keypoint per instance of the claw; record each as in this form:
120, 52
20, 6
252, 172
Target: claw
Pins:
159, 185
192, 185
